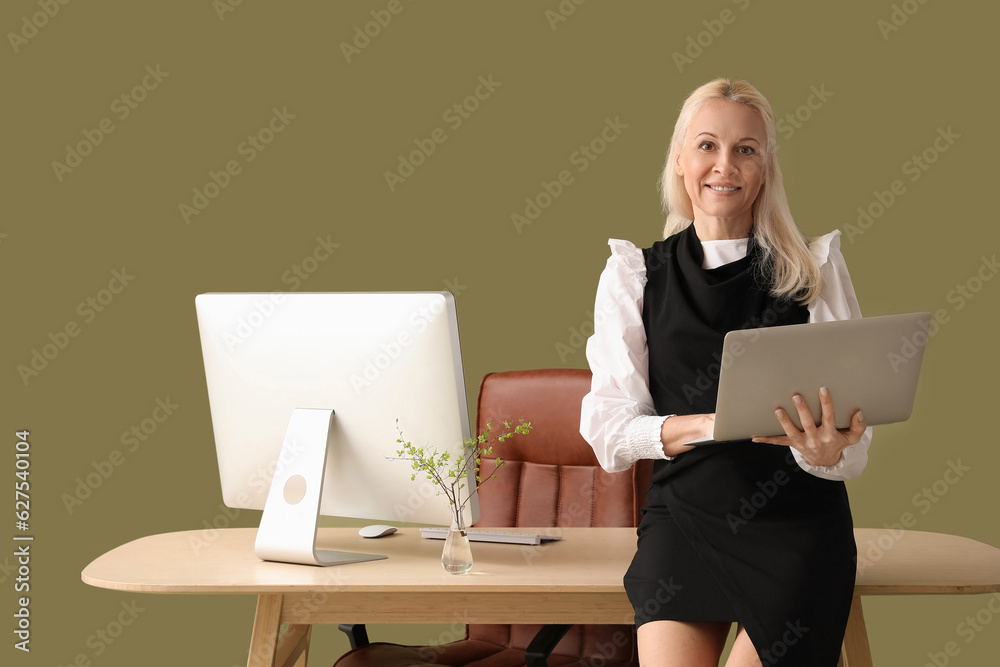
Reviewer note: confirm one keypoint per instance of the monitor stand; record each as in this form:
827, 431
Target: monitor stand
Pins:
287, 532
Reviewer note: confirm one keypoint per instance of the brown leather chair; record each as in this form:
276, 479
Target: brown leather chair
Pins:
551, 478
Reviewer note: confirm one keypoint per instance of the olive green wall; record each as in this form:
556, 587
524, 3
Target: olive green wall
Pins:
116, 112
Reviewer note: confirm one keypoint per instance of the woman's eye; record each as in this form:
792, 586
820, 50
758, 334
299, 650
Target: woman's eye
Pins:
746, 150
705, 145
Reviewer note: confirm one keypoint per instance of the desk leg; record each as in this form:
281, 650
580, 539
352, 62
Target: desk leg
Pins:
266, 650
264, 640
293, 647
855, 652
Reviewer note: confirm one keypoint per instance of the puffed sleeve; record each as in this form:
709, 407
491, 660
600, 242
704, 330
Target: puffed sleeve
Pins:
836, 301
617, 417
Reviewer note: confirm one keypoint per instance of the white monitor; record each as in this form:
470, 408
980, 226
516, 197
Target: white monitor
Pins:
347, 366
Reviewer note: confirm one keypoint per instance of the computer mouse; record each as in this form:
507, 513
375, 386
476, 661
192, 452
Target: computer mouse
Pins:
377, 530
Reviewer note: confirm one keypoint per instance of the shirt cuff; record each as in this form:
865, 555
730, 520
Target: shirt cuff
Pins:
642, 438
824, 469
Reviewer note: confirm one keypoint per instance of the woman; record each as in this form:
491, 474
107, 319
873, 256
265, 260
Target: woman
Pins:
759, 533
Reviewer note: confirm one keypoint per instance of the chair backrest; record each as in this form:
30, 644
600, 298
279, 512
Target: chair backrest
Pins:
552, 478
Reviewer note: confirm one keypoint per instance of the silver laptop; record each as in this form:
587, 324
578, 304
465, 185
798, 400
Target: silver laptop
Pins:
871, 364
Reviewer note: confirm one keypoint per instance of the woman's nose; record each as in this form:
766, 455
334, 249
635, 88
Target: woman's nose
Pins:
724, 163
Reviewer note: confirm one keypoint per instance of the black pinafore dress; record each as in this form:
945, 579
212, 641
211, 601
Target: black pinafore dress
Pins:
733, 531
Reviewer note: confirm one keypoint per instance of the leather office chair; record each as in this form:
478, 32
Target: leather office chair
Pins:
551, 478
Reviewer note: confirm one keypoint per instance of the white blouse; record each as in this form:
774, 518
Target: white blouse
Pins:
617, 417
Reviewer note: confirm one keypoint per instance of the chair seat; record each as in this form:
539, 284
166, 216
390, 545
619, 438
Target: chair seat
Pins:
464, 652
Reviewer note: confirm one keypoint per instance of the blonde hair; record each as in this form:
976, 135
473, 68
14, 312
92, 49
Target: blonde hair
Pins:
794, 271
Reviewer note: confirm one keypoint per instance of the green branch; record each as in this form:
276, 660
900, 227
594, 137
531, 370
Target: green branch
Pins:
450, 474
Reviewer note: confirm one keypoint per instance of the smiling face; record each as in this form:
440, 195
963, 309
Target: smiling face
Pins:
723, 167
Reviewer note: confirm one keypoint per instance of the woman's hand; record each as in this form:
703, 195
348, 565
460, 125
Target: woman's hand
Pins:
820, 444
684, 428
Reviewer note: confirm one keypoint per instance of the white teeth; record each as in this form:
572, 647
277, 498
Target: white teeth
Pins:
723, 189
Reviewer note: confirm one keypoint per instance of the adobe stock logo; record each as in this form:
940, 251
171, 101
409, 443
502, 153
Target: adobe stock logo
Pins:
223, 7
899, 17
37, 21
698, 43
250, 148
566, 8
915, 168
363, 35
245, 327
455, 116
581, 158
88, 309
392, 349
101, 470
787, 124
122, 106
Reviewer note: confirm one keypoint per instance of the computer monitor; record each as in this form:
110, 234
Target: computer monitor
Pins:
305, 392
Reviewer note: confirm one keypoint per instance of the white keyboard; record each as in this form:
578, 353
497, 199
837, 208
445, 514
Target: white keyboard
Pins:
504, 537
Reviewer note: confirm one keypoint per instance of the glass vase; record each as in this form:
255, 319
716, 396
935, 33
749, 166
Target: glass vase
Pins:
457, 555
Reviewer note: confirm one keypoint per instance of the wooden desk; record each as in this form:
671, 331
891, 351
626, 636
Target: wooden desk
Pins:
576, 580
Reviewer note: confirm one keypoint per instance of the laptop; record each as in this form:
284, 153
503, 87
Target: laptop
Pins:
871, 364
